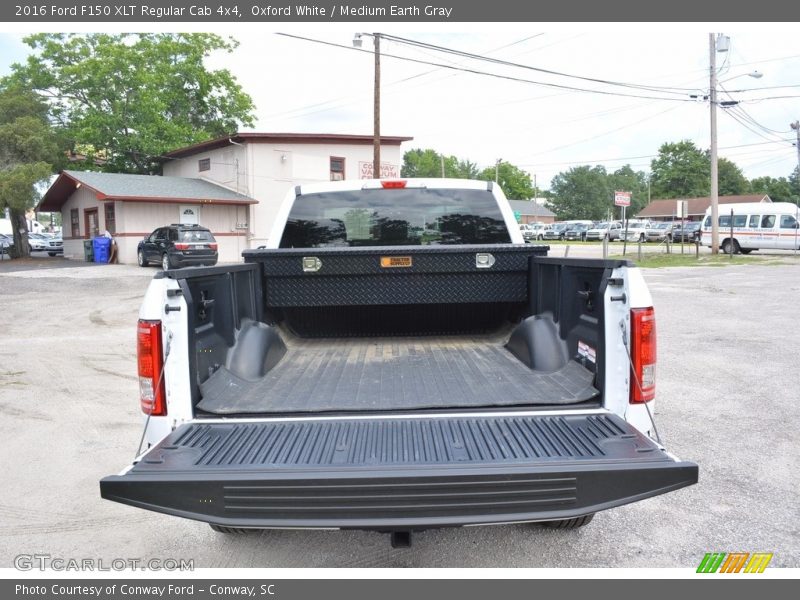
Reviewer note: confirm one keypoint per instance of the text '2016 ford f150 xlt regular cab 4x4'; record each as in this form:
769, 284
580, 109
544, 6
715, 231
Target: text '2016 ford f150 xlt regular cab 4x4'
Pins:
397, 359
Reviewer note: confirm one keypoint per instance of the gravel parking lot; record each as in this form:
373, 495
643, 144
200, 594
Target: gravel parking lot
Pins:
727, 388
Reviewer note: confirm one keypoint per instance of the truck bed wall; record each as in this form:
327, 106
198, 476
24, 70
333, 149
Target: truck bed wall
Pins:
271, 290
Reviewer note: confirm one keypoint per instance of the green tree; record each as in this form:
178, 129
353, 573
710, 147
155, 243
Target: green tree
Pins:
731, 180
28, 150
581, 193
779, 190
515, 182
421, 163
681, 170
794, 185
128, 98
428, 163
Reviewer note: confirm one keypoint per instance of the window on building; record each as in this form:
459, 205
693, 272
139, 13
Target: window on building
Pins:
75, 222
337, 168
204, 164
110, 216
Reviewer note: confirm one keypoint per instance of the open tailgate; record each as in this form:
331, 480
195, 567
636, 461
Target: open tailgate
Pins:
398, 472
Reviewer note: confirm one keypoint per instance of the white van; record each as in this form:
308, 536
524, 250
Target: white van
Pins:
756, 226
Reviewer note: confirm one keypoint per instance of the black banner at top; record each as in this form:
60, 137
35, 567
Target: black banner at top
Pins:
404, 11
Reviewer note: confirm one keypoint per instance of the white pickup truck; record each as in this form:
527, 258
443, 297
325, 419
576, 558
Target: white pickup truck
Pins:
397, 359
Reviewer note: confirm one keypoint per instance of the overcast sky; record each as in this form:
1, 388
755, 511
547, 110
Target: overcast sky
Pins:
302, 86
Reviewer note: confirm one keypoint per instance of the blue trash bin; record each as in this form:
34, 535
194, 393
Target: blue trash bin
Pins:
102, 249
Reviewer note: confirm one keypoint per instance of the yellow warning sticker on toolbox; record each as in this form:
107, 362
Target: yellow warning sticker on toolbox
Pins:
388, 262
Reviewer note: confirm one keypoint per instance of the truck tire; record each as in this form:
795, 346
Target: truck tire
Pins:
569, 523
231, 530
140, 257
166, 263
730, 246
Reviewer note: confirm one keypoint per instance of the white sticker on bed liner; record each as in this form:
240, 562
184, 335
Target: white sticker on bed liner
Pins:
586, 351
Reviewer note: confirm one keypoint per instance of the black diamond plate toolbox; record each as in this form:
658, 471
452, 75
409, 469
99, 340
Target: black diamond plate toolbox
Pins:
308, 277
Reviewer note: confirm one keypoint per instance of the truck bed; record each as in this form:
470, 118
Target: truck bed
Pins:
400, 373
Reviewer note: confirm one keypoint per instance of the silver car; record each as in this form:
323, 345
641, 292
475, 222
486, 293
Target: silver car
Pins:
38, 242
55, 246
611, 230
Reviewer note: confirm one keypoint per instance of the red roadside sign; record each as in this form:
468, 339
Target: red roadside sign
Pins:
622, 198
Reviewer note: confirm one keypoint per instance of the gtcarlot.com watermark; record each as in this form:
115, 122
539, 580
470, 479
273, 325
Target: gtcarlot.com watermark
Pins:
48, 562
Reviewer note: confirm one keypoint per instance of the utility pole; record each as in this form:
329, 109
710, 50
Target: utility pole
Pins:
535, 190
441, 157
497, 169
376, 142
712, 96
796, 127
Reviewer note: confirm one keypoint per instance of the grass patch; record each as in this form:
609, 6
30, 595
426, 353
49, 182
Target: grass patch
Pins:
656, 260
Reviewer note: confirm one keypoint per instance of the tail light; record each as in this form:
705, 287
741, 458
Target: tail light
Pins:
393, 184
643, 354
213, 246
151, 363
181, 246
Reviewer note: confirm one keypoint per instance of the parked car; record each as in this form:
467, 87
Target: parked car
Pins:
636, 230
659, 232
55, 246
611, 230
577, 232
6, 243
690, 232
533, 231
527, 231
556, 231
177, 246
37, 242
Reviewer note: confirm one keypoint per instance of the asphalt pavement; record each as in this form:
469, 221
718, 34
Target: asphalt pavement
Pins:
727, 399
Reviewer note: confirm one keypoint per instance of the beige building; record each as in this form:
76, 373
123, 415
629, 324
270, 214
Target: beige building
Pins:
130, 207
265, 166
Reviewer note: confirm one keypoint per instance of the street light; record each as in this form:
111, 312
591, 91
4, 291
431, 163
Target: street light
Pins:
719, 44
376, 140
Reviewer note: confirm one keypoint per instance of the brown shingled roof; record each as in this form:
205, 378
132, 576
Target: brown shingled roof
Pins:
697, 206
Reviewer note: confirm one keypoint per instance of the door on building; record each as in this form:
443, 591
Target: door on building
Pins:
190, 215
91, 223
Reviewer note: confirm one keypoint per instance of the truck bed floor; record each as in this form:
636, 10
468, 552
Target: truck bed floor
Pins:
394, 374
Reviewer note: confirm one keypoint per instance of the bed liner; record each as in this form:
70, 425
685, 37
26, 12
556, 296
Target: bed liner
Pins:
395, 374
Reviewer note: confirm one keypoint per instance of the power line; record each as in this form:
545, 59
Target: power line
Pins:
747, 116
601, 160
605, 133
652, 88
386, 85
489, 74
744, 124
